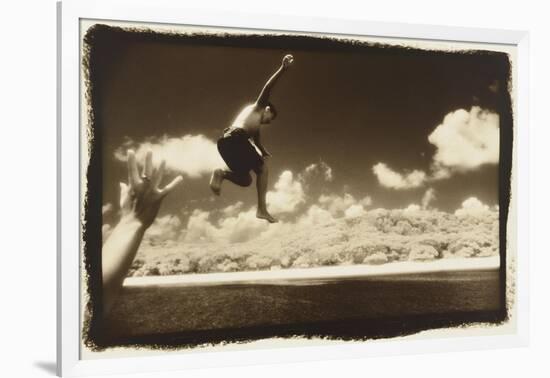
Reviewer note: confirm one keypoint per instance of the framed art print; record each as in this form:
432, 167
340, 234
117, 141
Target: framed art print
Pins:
281, 189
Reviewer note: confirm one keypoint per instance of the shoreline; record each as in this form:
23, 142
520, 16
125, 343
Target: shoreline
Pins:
333, 272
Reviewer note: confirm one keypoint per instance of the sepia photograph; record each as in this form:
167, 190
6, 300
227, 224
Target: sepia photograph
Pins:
249, 188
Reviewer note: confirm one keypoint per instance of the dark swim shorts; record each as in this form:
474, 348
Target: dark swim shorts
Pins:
238, 152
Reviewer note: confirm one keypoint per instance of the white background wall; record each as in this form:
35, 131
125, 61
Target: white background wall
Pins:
27, 171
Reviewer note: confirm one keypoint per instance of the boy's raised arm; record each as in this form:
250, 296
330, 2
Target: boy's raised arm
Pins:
263, 99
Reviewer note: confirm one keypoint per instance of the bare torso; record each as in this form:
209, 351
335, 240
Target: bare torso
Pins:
249, 119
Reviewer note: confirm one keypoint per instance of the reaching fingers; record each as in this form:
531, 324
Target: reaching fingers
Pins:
159, 174
148, 167
133, 173
168, 188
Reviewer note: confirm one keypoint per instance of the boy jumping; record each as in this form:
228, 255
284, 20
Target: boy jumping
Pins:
241, 148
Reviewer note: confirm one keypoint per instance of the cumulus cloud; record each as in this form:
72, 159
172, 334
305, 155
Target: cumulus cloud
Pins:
428, 197
239, 228
338, 205
192, 155
440, 173
199, 228
315, 215
392, 179
243, 227
466, 139
412, 208
232, 209
354, 211
164, 228
472, 207
320, 169
288, 194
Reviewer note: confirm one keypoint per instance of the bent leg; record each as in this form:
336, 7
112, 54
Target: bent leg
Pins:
261, 186
241, 179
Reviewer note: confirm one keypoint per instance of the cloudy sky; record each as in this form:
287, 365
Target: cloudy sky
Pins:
358, 127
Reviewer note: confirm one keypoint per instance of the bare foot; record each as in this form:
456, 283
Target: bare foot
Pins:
216, 181
265, 215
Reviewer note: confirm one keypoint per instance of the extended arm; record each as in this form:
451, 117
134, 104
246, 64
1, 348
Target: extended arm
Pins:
140, 202
263, 99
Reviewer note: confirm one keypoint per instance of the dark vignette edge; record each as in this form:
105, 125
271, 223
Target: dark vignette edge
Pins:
91, 226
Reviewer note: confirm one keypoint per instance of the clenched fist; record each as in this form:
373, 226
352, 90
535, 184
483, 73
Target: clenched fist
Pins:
288, 60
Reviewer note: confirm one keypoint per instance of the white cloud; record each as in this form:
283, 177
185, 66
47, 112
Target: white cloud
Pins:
428, 197
391, 179
288, 194
193, 155
240, 225
466, 140
315, 215
354, 211
239, 228
412, 208
337, 205
472, 207
164, 228
321, 169
243, 227
366, 201
440, 173
233, 209
199, 227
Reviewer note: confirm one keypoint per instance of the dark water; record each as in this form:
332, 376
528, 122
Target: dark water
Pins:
356, 306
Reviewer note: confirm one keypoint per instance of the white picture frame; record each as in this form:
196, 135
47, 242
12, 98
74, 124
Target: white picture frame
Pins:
69, 191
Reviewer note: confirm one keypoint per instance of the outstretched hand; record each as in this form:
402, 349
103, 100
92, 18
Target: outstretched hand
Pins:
287, 61
141, 197
140, 201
